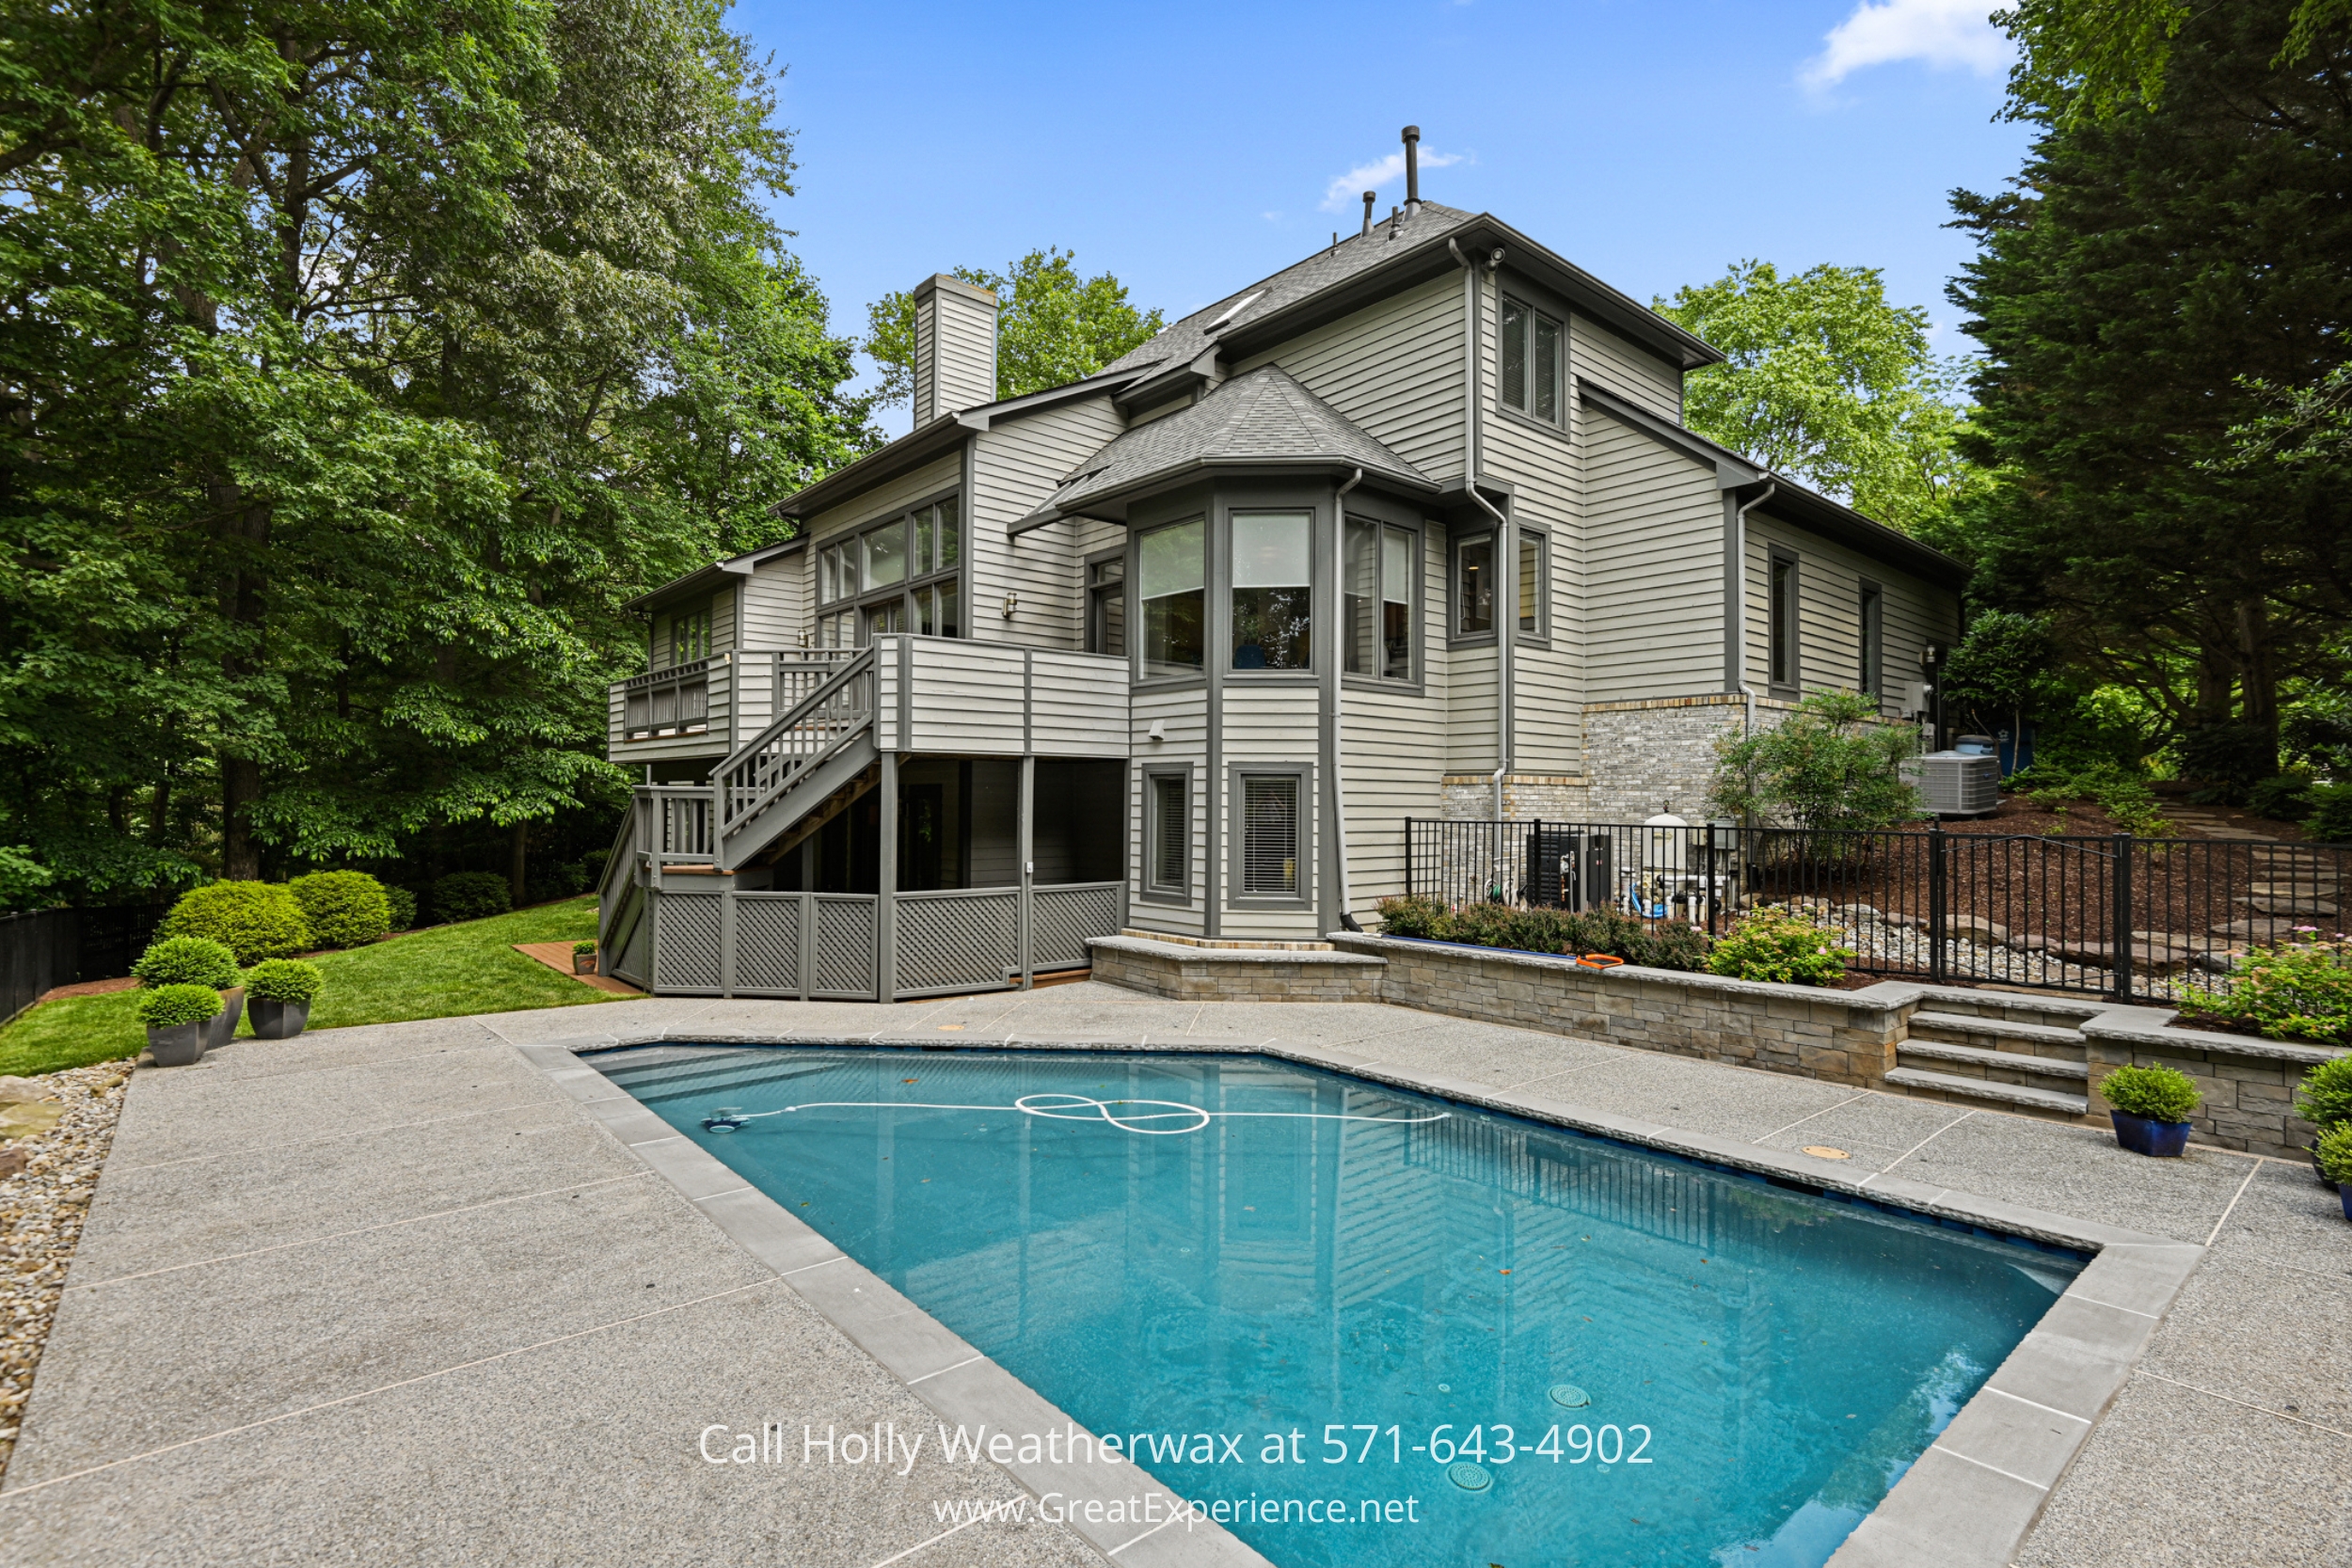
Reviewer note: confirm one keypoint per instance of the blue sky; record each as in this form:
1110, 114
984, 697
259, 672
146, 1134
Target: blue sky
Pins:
1191, 149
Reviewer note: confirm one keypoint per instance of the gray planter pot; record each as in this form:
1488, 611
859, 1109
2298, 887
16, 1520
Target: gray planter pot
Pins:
176, 1044
584, 963
223, 1028
279, 1020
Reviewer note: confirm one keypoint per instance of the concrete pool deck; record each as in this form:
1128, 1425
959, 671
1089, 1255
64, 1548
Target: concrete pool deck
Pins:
408, 1291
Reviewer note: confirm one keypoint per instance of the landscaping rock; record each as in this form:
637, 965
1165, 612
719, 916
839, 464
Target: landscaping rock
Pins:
1967, 927
23, 1091
2288, 904
24, 1119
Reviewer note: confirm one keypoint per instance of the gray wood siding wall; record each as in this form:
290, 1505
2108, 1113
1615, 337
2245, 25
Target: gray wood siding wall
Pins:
1829, 600
1633, 373
1654, 544
1394, 368
775, 602
1184, 716
1391, 759
1015, 465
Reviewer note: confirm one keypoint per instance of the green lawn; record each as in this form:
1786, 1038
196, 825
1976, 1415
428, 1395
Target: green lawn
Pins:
444, 971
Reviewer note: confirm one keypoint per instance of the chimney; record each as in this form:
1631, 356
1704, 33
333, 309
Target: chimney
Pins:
955, 347
1368, 199
1412, 169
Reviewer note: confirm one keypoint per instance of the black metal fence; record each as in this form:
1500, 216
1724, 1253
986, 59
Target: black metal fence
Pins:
2132, 918
40, 949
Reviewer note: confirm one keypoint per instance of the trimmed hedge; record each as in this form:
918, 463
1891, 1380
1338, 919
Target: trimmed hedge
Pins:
2158, 1093
403, 905
2325, 1098
1542, 930
168, 1005
345, 909
471, 895
283, 980
187, 961
253, 920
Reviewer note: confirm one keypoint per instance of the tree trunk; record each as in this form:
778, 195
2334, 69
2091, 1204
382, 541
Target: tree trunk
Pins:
2258, 676
515, 861
240, 851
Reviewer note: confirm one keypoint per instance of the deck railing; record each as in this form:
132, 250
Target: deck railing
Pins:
666, 702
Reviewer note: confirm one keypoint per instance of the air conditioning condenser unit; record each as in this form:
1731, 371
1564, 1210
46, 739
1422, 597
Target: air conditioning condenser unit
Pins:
1955, 783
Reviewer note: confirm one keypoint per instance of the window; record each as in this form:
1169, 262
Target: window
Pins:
1382, 576
1272, 619
1269, 835
690, 636
1474, 586
1781, 661
1873, 630
1107, 606
1532, 361
1169, 571
1167, 834
1530, 584
899, 575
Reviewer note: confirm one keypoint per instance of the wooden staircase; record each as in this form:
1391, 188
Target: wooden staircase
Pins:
1999, 1051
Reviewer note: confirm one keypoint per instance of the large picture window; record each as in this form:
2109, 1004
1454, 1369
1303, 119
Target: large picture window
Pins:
1171, 568
1272, 592
1382, 577
1532, 361
905, 573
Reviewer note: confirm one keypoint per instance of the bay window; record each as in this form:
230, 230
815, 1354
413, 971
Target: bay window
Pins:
1272, 592
1171, 570
1381, 573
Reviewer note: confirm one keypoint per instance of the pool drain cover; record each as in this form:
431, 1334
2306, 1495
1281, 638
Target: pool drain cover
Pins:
1570, 1395
1823, 1152
1469, 1477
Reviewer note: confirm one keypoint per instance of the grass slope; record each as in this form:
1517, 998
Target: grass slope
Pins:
443, 972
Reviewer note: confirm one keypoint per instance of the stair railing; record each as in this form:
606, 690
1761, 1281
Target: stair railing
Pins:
837, 705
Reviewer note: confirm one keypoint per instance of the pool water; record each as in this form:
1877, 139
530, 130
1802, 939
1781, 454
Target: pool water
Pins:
1462, 1338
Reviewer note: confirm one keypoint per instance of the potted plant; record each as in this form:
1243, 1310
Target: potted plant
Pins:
176, 1017
198, 961
2334, 1155
583, 958
2325, 1100
281, 990
2152, 1105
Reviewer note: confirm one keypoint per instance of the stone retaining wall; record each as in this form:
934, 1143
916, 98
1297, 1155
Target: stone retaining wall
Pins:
1235, 974
2248, 1084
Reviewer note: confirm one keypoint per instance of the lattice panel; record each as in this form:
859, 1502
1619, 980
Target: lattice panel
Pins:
686, 942
633, 966
845, 947
1061, 920
768, 941
966, 940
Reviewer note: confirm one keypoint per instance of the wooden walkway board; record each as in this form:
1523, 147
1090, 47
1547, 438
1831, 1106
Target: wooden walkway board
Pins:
558, 957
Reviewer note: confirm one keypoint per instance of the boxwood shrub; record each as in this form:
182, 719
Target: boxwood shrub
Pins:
2158, 1093
187, 961
345, 909
471, 895
253, 920
1570, 932
168, 1006
2325, 1098
283, 980
2335, 1154
403, 905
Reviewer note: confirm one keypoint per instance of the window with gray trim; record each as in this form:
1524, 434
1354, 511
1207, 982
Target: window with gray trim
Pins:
1168, 834
690, 635
1107, 606
1534, 586
1531, 361
1780, 656
1473, 588
1270, 804
1873, 629
902, 574
1381, 589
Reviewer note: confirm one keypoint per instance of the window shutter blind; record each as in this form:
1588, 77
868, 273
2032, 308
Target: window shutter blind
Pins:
1269, 854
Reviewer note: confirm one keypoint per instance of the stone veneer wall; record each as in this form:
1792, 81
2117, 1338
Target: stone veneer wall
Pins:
1552, 797
1233, 975
1659, 755
2248, 1084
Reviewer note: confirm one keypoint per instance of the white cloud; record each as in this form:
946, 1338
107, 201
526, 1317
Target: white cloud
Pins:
1939, 32
1346, 190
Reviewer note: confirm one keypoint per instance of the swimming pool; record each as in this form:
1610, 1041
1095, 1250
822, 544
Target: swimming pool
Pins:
1363, 1326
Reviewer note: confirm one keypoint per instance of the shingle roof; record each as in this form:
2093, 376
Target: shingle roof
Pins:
1183, 339
1263, 417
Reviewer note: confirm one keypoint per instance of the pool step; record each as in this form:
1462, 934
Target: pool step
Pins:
1991, 1091
1995, 1061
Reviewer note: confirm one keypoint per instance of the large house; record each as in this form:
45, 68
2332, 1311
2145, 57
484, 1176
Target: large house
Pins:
1410, 528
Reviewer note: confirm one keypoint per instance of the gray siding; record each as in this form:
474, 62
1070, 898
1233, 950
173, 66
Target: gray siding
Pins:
1654, 523
1633, 373
1395, 369
1829, 597
775, 602
1015, 465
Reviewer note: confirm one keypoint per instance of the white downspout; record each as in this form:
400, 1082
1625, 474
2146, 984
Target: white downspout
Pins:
1339, 679
1740, 587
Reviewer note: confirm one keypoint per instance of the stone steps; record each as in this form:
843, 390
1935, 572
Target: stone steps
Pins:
1929, 1025
1991, 1092
1993, 1061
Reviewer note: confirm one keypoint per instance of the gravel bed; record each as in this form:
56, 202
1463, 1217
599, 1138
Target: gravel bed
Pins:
41, 1208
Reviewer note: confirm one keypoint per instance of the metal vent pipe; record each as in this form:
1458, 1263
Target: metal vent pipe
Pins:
1412, 169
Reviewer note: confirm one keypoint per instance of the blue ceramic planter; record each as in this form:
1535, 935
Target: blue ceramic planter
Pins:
2162, 1139
2343, 1191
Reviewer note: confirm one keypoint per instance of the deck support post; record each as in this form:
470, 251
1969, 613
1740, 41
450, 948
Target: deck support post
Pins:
1028, 870
886, 885
726, 939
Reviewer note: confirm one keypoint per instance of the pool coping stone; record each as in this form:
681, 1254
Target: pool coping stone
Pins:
1997, 1463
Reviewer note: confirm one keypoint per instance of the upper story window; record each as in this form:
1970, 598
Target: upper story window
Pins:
1107, 606
1531, 583
690, 636
1781, 646
1171, 569
905, 573
1273, 590
1382, 571
1532, 361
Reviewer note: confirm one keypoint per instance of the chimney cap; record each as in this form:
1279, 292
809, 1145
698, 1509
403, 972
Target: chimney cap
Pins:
950, 283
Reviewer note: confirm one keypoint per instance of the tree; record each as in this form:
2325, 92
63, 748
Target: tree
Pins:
2099, 58
1053, 326
1830, 766
1827, 382
2002, 668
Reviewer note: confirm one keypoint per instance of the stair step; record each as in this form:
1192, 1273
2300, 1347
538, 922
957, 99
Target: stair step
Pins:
1999, 1028
1985, 1089
2006, 1061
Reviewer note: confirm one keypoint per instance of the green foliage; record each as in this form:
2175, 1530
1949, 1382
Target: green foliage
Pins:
2228, 759
1053, 326
2158, 1093
253, 920
187, 961
22, 877
471, 895
2122, 792
2293, 990
344, 907
283, 980
2003, 671
2330, 821
400, 906
1826, 381
1829, 766
1572, 933
2285, 797
582, 949
2325, 1098
168, 1005
2092, 61
1781, 945
2334, 1151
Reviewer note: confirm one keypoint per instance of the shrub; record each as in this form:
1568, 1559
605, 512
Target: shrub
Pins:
2285, 798
471, 895
1780, 945
1542, 930
168, 1006
1411, 917
253, 920
2325, 1098
1676, 946
2295, 990
1830, 766
283, 980
581, 949
2158, 1093
2330, 821
2334, 1150
403, 906
345, 909
187, 961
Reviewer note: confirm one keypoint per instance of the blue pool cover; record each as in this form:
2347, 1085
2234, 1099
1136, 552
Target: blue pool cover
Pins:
1366, 1327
